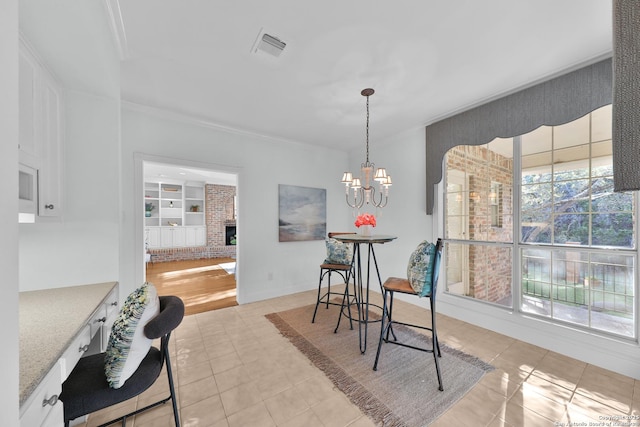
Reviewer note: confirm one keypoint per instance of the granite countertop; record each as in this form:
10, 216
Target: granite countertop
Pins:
49, 320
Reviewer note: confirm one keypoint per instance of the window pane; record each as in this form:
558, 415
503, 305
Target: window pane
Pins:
537, 141
536, 167
572, 133
536, 281
457, 268
581, 287
480, 272
601, 124
535, 215
601, 159
612, 292
571, 163
607, 201
571, 229
613, 229
570, 295
571, 196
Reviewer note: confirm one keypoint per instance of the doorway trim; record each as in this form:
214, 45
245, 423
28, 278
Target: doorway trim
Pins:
138, 178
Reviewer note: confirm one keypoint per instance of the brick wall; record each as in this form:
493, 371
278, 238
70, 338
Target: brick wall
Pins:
218, 214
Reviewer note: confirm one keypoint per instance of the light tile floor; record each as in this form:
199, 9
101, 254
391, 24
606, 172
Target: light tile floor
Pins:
233, 368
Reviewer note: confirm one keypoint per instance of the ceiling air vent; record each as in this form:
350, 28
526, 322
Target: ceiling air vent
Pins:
269, 44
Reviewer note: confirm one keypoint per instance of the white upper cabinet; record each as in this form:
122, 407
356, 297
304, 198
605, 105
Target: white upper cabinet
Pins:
50, 173
28, 80
40, 131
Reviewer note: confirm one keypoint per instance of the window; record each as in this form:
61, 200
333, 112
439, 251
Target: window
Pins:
574, 255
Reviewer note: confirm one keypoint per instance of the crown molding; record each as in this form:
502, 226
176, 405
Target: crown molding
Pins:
207, 123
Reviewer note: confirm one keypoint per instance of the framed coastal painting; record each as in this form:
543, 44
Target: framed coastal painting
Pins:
302, 213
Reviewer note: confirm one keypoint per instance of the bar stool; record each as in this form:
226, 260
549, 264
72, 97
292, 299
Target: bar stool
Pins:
423, 271
339, 257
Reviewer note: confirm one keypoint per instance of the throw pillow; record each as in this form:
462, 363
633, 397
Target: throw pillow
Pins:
420, 267
338, 252
127, 344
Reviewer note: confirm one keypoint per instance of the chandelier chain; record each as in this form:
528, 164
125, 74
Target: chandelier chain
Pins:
367, 129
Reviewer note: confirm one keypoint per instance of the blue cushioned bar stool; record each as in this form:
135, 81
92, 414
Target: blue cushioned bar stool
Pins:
340, 264
424, 265
87, 390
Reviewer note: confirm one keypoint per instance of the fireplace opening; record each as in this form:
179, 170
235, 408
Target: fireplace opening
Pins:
230, 235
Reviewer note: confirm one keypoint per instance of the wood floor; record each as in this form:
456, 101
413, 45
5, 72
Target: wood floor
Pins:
203, 285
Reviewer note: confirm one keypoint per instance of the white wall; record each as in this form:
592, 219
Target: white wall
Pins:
261, 165
9, 211
82, 246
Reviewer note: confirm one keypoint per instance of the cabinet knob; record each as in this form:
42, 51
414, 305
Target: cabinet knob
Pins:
49, 206
83, 348
102, 319
50, 401
115, 303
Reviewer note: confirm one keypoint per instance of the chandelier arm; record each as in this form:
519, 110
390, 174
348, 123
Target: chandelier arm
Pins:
356, 204
378, 204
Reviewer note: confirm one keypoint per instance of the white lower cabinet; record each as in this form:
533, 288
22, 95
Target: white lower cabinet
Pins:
196, 236
39, 410
152, 237
175, 237
172, 237
112, 314
55, 418
75, 351
43, 409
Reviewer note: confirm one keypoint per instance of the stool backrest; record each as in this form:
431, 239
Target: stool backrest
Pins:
435, 267
170, 316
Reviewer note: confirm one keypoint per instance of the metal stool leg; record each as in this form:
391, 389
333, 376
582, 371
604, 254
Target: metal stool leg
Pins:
322, 273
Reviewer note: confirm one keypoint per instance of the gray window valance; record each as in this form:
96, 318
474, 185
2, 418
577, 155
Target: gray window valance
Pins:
554, 102
626, 95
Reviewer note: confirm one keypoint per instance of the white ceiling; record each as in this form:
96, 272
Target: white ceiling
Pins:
426, 59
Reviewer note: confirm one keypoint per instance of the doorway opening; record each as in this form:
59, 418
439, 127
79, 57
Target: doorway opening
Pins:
188, 211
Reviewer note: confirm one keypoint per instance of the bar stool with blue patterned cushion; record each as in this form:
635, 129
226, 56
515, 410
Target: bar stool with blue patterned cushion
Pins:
339, 260
421, 281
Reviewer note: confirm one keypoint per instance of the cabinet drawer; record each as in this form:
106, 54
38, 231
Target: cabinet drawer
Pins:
98, 319
55, 417
111, 306
43, 400
74, 352
111, 303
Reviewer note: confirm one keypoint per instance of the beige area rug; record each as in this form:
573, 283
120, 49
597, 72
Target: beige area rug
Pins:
404, 389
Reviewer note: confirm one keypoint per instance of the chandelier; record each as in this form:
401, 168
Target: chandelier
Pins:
363, 189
